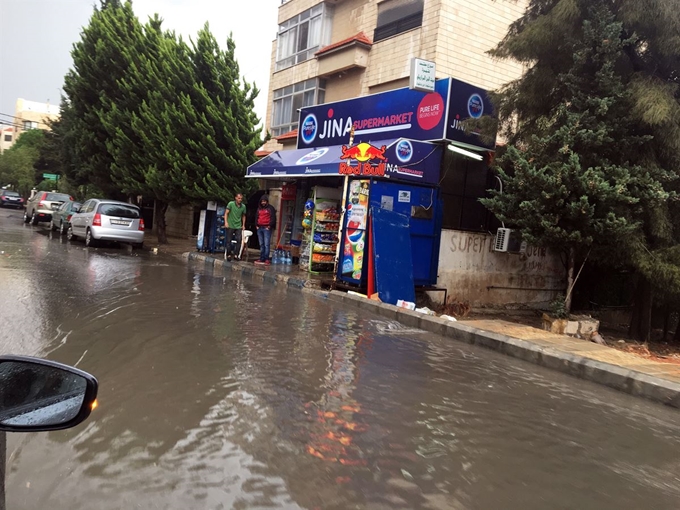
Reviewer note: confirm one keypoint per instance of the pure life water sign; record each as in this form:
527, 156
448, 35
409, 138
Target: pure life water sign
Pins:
422, 75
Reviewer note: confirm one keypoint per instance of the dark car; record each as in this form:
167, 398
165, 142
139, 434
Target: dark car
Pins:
42, 205
61, 218
11, 199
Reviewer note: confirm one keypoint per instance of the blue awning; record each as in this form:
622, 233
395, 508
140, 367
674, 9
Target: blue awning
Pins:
400, 159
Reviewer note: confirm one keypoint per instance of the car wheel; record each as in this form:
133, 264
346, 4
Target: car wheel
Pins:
70, 235
62, 228
34, 219
90, 241
27, 218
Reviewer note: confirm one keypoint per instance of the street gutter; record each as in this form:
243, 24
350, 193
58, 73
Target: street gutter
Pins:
659, 382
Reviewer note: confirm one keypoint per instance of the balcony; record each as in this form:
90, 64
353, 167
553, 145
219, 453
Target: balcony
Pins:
350, 53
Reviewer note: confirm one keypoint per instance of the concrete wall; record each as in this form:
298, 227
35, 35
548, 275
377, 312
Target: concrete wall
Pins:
466, 31
472, 272
179, 221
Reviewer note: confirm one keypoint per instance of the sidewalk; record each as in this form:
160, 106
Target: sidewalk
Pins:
604, 365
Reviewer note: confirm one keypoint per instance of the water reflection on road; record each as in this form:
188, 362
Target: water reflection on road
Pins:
223, 393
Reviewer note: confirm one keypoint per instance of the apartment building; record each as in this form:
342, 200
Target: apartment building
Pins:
339, 49
334, 50
6, 137
34, 115
27, 115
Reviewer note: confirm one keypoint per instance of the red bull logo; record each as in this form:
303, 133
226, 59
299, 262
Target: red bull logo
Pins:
365, 154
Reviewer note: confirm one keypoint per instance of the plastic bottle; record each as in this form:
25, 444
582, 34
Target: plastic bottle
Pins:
289, 258
277, 257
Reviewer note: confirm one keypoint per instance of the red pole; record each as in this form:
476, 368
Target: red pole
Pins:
370, 286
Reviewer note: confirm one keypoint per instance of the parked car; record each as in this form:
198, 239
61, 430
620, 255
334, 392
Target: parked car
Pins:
11, 199
61, 218
40, 207
107, 220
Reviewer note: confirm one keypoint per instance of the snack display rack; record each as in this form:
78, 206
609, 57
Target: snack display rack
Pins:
319, 244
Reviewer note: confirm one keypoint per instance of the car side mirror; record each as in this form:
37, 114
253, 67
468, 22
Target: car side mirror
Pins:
39, 395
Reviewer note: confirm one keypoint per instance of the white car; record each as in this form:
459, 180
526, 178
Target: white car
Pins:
40, 207
107, 220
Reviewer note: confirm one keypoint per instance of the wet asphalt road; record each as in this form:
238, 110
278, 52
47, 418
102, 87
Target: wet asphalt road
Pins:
219, 393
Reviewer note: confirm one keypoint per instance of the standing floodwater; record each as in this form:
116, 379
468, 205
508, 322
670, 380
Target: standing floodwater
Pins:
218, 393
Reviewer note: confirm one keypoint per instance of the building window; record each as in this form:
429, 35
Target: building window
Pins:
462, 186
288, 100
303, 35
397, 16
8, 138
29, 124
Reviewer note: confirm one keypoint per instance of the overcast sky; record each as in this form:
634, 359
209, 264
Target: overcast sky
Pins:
36, 37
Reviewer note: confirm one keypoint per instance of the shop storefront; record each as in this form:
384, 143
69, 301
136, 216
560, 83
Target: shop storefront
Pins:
366, 175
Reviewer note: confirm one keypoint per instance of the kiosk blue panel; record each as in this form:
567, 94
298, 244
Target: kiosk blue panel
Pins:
393, 262
422, 207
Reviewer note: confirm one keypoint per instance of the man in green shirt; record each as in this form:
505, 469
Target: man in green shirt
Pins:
235, 223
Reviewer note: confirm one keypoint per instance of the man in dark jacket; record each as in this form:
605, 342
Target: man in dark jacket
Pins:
265, 223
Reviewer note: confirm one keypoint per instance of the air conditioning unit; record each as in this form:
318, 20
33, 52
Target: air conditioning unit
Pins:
509, 240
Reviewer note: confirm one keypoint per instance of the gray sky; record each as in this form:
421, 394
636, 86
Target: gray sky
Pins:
36, 37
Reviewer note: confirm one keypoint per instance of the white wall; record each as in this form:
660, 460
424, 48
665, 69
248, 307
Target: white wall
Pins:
468, 266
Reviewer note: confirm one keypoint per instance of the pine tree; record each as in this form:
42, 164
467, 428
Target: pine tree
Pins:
99, 62
193, 134
146, 114
593, 125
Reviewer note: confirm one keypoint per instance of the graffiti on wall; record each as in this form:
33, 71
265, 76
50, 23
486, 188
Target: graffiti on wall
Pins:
469, 251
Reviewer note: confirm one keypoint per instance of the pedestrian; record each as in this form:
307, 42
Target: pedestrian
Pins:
235, 223
265, 223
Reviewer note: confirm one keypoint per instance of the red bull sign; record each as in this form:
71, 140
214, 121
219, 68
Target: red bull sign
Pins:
370, 160
402, 159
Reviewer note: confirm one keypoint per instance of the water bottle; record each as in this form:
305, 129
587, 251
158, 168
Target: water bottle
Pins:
289, 258
276, 259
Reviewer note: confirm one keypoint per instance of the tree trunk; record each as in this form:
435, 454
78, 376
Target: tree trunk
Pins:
571, 262
159, 217
641, 321
634, 324
666, 321
676, 337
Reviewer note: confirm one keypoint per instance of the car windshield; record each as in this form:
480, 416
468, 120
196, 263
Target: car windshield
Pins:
119, 210
57, 197
11, 194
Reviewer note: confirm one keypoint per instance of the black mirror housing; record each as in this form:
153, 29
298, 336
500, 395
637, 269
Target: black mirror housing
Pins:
38, 395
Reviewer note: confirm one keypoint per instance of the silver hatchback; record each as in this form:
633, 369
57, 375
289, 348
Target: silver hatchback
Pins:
107, 220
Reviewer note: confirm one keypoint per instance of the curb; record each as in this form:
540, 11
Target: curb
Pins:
633, 382
249, 270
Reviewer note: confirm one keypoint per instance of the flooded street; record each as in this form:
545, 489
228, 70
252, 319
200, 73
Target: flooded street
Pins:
218, 393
